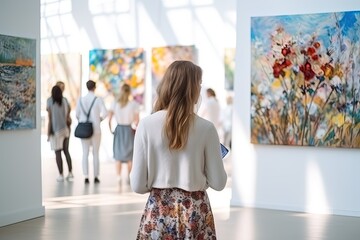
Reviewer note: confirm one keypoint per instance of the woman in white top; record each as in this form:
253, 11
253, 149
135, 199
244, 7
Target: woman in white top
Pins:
210, 109
176, 158
126, 112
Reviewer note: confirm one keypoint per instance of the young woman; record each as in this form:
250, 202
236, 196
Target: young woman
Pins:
126, 112
176, 158
58, 130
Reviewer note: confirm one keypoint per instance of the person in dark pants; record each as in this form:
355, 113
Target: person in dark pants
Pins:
58, 130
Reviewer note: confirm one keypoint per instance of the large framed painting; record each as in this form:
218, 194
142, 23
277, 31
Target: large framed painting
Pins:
111, 68
162, 57
65, 67
17, 83
305, 81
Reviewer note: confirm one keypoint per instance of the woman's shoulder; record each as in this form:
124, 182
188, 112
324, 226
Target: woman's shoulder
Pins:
202, 120
154, 118
203, 123
49, 101
66, 100
151, 123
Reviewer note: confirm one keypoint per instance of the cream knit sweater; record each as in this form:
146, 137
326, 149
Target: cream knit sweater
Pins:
196, 167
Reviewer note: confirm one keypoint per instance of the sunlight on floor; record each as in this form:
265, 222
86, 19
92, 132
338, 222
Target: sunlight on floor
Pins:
219, 200
316, 200
93, 200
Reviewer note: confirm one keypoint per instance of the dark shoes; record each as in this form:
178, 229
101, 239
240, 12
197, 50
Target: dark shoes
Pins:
96, 180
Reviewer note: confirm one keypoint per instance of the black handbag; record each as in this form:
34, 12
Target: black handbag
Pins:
85, 129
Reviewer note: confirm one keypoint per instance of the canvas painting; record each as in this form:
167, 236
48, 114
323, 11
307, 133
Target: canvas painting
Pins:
229, 64
305, 81
65, 67
162, 57
17, 83
111, 68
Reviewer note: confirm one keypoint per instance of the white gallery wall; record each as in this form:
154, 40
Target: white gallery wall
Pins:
307, 179
82, 25
20, 157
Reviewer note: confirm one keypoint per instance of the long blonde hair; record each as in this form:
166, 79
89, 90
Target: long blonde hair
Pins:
178, 93
125, 93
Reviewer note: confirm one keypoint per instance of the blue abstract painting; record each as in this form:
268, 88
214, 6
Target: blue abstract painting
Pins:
17, 83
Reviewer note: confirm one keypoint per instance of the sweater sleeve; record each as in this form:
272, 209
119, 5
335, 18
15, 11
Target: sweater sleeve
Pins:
139, 173
214, 166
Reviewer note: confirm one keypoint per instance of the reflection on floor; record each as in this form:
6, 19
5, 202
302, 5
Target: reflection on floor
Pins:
75, 211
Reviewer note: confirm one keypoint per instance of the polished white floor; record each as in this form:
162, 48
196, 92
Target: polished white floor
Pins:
111, 211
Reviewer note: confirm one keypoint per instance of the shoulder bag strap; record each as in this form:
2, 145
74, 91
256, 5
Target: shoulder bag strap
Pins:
87, 114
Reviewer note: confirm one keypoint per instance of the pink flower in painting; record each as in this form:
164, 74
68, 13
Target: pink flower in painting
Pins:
285, 51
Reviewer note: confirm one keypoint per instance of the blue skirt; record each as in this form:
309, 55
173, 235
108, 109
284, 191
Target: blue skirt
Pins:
123, 143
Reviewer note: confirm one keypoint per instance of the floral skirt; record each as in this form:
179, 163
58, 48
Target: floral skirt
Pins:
177, 214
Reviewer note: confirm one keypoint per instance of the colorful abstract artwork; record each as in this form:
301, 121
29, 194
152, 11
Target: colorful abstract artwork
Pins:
110, 68
65, 67
162, 57
17, 83
229, 64
305, 80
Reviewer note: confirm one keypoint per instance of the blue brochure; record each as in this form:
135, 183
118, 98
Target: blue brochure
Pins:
224, 150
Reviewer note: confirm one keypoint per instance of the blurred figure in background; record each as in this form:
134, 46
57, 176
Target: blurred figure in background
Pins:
126, 113
58, 130
227, 121
97, 114
210, 110
61, 84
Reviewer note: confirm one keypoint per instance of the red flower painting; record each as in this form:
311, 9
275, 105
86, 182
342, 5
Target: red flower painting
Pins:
305, 80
